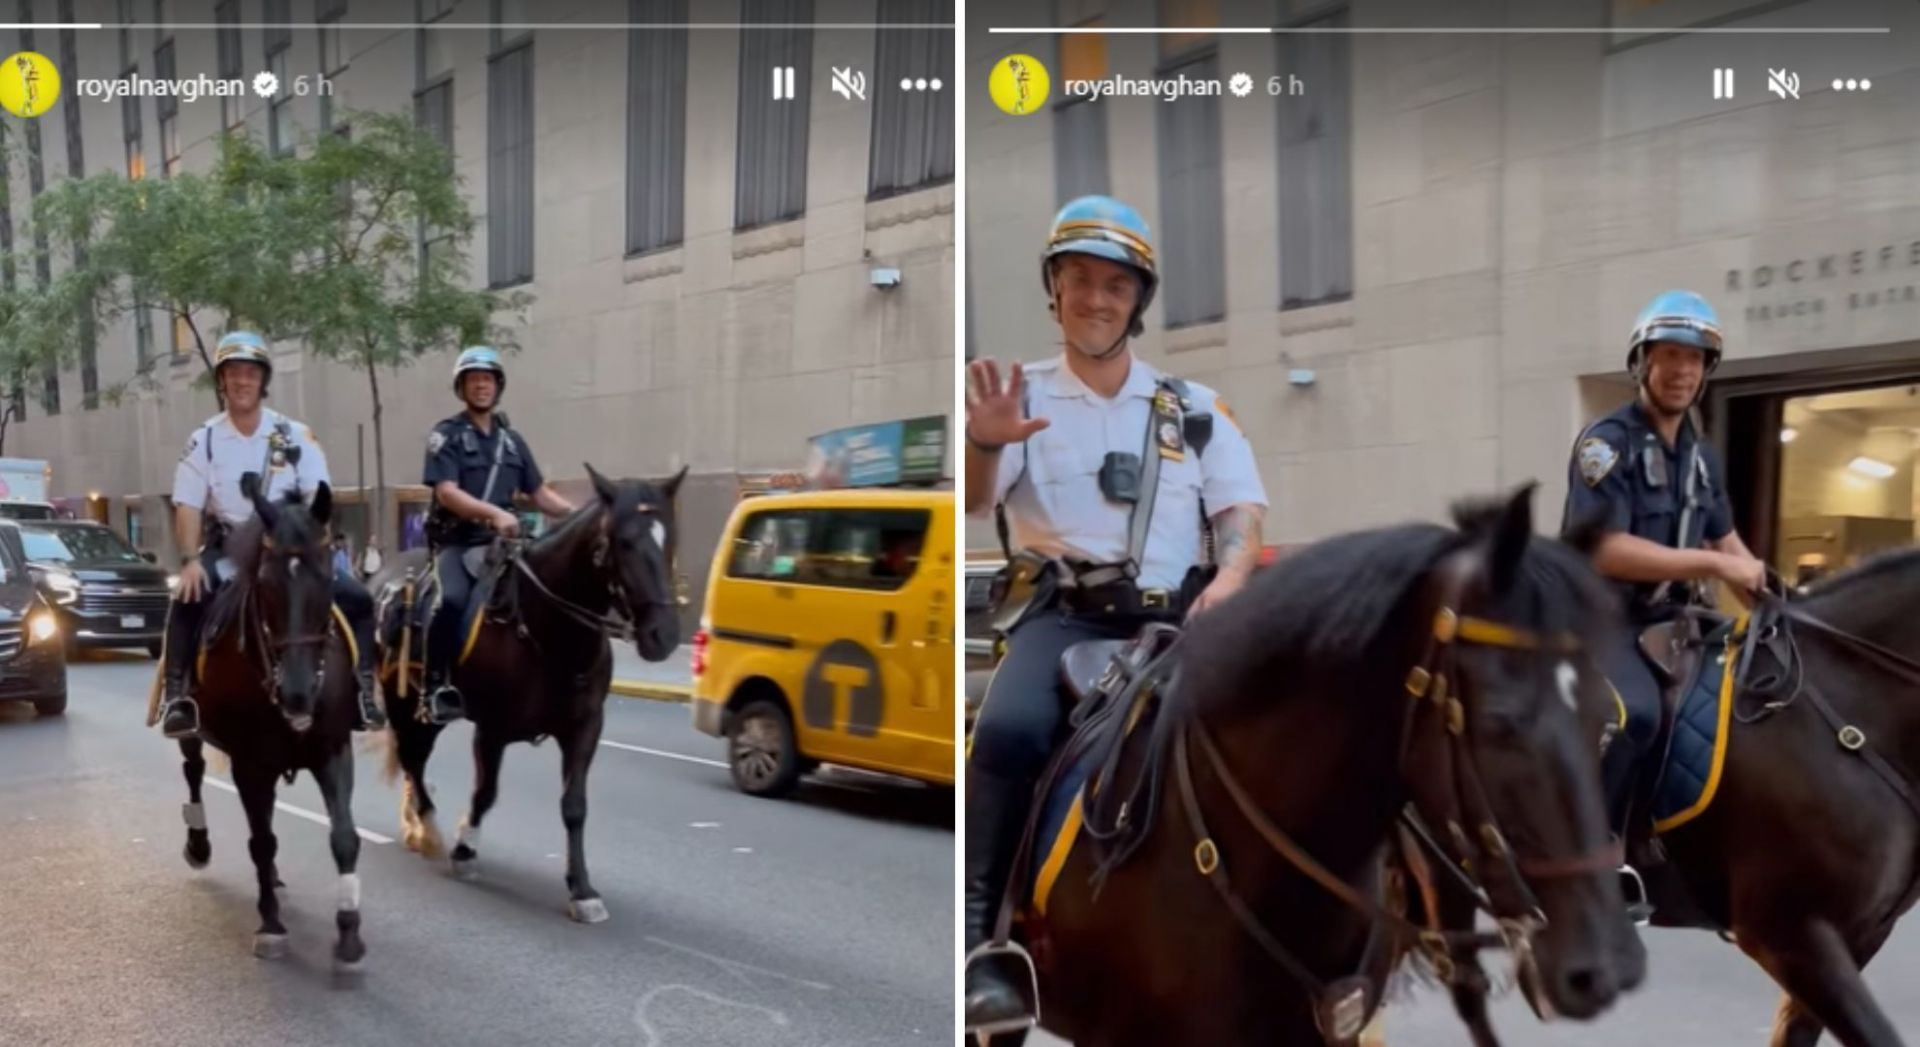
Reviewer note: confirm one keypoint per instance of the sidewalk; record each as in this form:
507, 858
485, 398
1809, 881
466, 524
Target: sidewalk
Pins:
668, 681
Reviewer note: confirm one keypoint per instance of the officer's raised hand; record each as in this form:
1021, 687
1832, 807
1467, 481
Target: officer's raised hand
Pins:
996, 413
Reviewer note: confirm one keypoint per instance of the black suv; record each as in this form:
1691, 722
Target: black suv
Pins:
33, 663
107, 594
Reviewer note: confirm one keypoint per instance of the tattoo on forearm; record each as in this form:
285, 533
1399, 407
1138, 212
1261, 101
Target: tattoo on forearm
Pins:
1236, 535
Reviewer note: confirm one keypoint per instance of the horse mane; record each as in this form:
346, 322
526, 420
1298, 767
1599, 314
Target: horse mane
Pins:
1326, 607
1873, 568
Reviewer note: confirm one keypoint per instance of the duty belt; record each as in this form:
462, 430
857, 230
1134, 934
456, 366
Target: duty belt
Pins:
1122, 597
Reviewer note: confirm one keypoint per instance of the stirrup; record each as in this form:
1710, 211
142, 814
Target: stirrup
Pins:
1639, 908
437, 707
989, 952
166, 710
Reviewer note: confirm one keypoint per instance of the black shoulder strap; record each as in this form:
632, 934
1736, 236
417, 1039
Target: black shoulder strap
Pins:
1197, 438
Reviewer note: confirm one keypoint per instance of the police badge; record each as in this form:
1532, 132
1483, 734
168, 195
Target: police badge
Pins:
1596, 458
277, 448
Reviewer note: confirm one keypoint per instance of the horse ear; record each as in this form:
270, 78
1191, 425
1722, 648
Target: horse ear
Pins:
672, 486
322, 507
1512, 531
601, 485
250, 489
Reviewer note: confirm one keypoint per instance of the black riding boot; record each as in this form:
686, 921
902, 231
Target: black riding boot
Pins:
444, 701
180, 717
1617, 780
996, 814
372, 717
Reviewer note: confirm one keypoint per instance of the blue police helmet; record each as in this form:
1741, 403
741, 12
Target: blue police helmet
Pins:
243, 346
479, 358
1104, 228
1681, 317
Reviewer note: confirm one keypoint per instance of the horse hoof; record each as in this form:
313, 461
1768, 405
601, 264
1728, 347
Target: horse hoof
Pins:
269, 946
349, 968
196, 857
587, 910
467, 871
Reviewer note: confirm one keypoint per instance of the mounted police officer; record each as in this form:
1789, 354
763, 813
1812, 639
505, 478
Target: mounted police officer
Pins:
248, 437
1111, 480
1662, 491
475, 464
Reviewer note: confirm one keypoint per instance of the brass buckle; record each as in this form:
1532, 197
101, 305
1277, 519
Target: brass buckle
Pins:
1157, 599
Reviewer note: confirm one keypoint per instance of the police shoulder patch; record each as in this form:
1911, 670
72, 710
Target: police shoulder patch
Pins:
1597, 458
435, 441
1220, 406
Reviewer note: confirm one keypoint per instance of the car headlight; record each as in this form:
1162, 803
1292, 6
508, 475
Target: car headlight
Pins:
42, 627
173, 582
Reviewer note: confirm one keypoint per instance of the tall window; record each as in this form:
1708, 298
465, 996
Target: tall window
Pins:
227, 45
167, 108
509, 149
77, 168
333, 54
656, 125
433, 99
1192, 222
770, 176
37, 182
276, 39
1316, 171
913, 131
1080, 120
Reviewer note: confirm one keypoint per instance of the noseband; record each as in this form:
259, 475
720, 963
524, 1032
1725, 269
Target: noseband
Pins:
1343, 1006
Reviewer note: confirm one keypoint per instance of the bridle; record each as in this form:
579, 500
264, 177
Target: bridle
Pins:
274, 648
616, 623
1342, 1007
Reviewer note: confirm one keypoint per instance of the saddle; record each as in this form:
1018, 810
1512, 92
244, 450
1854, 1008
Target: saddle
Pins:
403, 611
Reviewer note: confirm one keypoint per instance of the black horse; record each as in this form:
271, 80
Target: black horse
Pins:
1810, 851
543, 668
277, 695
1438, 668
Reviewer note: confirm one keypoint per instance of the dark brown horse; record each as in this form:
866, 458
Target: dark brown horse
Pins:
276, 695
1441, 668
543, 668
1810, 850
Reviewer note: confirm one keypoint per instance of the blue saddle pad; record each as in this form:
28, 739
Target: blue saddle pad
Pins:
1059, 827
1694, 761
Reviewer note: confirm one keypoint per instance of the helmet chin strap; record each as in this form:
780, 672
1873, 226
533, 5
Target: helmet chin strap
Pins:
1112, 350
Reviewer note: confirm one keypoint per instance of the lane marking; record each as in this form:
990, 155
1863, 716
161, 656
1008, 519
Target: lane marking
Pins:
662, 752
734, 967
301, 812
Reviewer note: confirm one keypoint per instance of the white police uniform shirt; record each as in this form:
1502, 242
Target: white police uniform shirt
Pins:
1057, 508
215, 485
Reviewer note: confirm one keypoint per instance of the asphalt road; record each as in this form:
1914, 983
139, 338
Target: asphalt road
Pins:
1700, 992
822, 920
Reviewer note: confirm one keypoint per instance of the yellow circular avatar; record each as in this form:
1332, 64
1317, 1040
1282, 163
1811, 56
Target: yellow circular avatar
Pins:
1018, 84
29, 84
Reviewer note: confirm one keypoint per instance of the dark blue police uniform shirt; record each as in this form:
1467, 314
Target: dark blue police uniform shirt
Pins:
459, 452
1625, 473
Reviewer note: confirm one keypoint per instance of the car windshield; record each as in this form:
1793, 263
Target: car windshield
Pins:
85, 544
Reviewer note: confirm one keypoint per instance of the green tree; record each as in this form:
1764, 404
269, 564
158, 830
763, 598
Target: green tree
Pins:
375, 297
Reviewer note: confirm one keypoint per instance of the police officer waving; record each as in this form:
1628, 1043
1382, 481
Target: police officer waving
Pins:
475, 464
1662, 491
248, 437
1108, 476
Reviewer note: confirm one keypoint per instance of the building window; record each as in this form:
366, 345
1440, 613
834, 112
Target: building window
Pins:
333, 55
510, 152
1080, 121
656, 125
136, 532
182, 337
913, 132
434, 50
77, 168
276, 40
1316, 170
770, 176
227, 45
1192, 223
131, 135
433, 111
143, 338
127, 20
509, 25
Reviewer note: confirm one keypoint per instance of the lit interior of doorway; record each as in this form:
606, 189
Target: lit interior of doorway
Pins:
1846, 478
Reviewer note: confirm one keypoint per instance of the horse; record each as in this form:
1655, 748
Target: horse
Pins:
543, 667
277, 696
1236, 898
1809, 851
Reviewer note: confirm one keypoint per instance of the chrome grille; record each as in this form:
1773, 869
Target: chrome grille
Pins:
9, 641
111, 601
